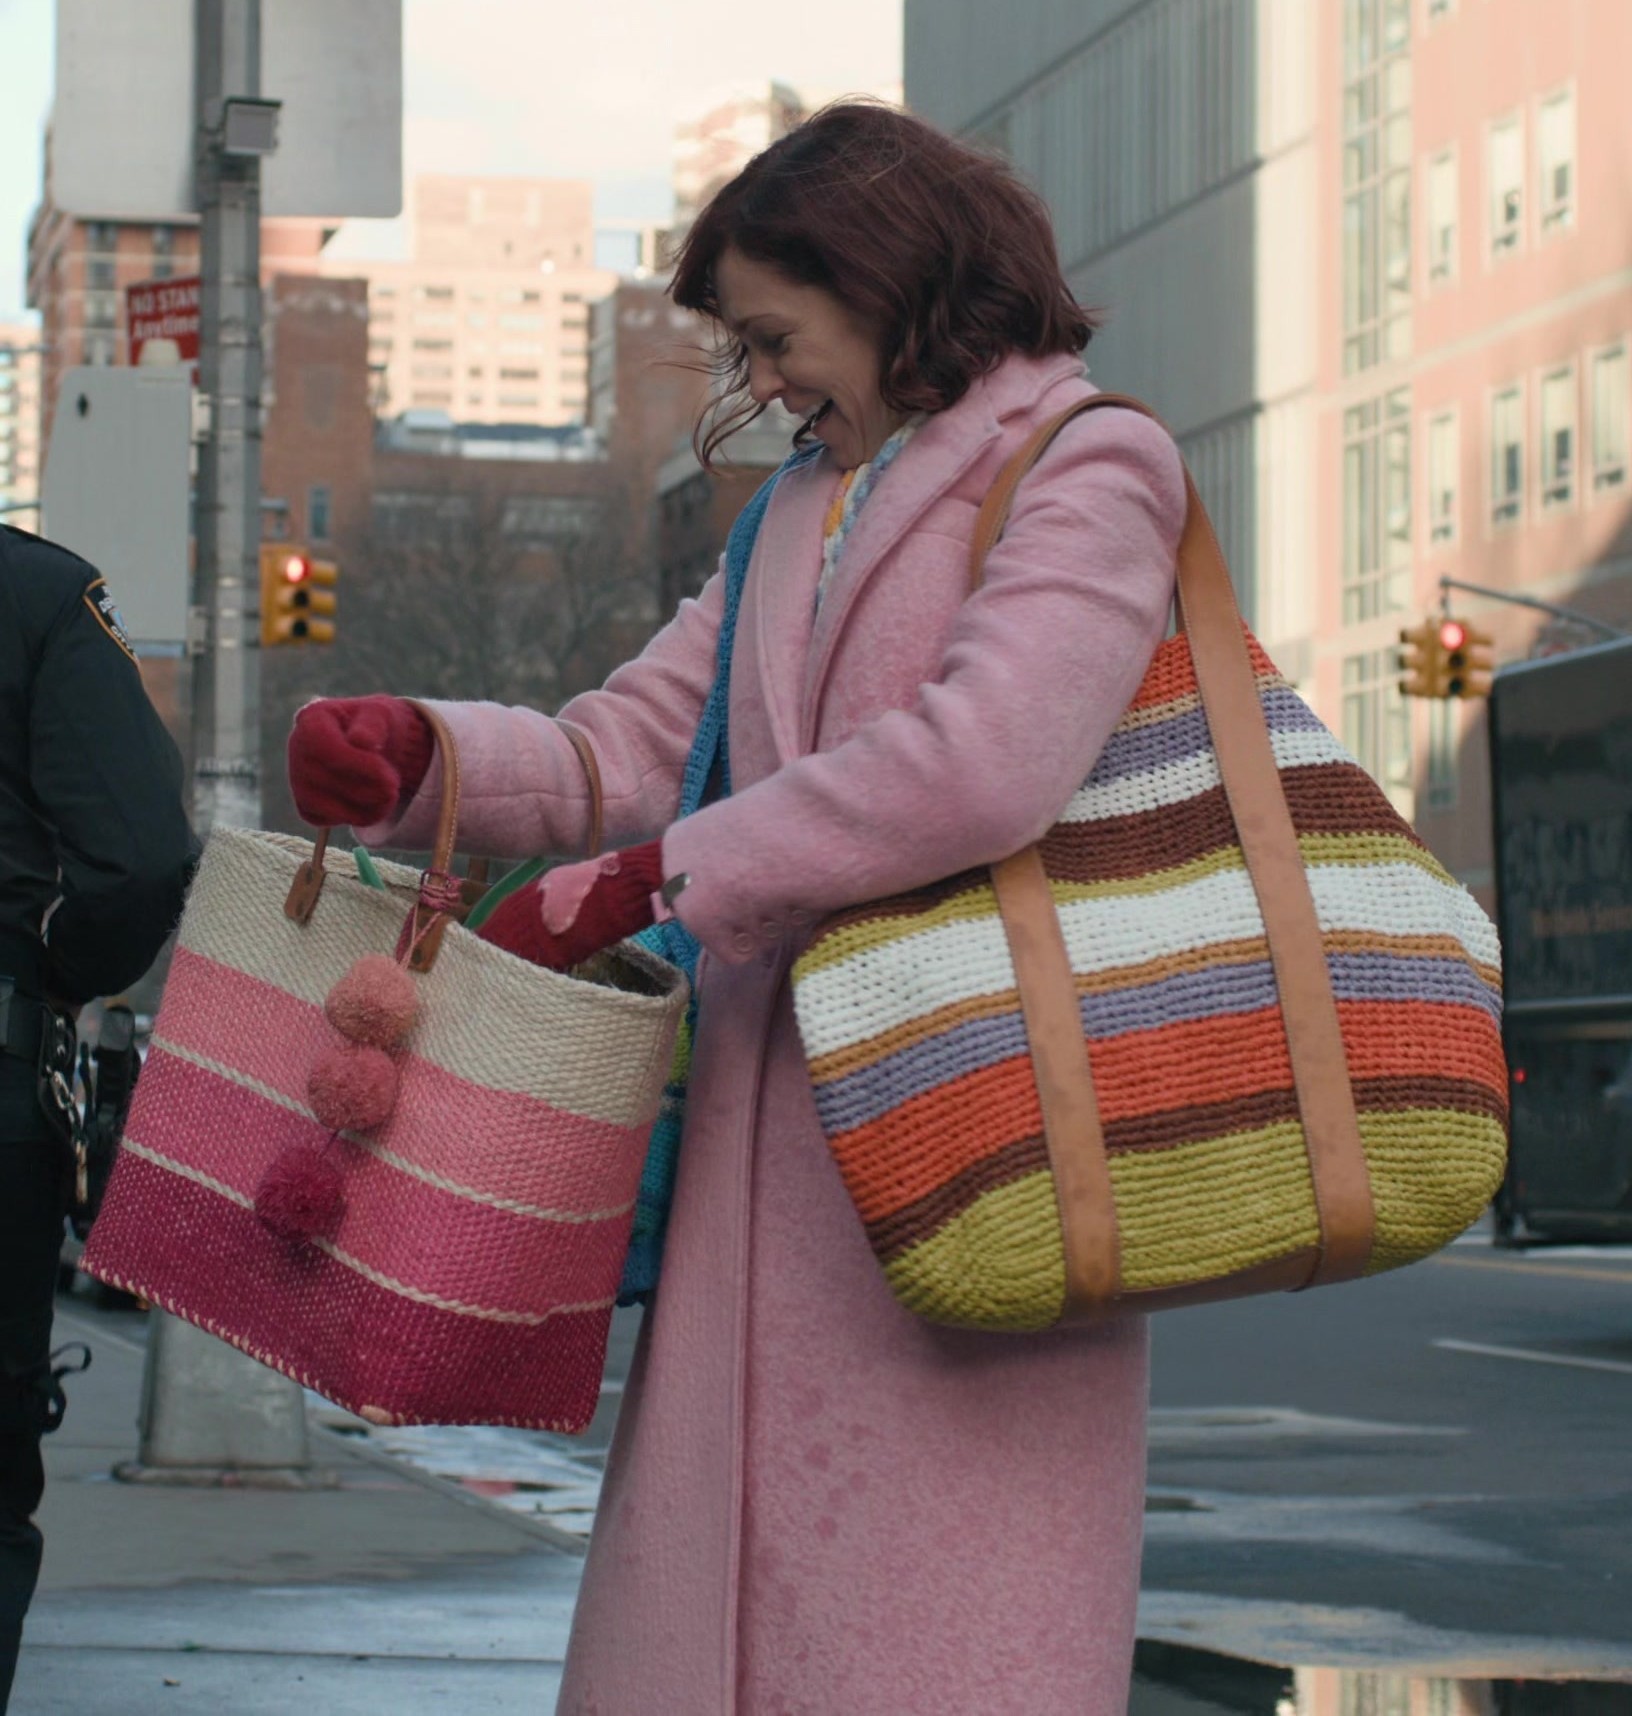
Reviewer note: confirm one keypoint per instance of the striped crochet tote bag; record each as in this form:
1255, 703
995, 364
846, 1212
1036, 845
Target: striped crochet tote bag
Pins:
1228, 1028
482, 1137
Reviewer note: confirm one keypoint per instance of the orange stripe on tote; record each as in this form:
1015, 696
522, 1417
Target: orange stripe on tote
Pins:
893, 1161
897, 1159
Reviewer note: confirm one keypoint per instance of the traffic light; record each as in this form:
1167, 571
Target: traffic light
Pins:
1469, 659
297, 596
1422, 656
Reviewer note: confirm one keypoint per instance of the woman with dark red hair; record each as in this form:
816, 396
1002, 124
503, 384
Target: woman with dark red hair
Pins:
815, 1502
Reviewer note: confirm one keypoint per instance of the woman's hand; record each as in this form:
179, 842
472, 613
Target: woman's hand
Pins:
569, 913
353, 760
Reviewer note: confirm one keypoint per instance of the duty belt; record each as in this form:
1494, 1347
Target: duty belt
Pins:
25, 1024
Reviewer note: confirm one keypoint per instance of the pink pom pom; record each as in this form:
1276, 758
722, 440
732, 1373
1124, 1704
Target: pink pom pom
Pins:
374, 1003
301, 1195
352, 1087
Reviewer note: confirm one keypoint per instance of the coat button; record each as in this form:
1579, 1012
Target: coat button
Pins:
770, 931
743, 942
799, 916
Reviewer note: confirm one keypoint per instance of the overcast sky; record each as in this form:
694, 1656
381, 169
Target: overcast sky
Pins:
543, 88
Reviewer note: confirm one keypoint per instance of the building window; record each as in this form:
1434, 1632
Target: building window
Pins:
1444, 454
99, 273
1376, 182
1505, 172
317, 512
1506, 455
1438, 10
434, 294
1558, 433
1555, 159
433, 345
518, 375
101, 235
1442, 754
1610, 378
1376, 722
1376, 507
164, 252
1441, 201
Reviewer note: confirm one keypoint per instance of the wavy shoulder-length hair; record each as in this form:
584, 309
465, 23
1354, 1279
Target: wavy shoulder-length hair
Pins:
940, 247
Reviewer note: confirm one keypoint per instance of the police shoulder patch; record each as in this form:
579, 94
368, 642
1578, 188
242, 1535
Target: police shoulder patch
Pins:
99, 599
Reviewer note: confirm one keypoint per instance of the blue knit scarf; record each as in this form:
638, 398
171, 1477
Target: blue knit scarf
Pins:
709, 759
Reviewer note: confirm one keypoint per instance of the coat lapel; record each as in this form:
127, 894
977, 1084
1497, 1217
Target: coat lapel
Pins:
934, 460
781, 591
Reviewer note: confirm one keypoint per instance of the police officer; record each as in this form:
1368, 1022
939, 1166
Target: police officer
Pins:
95, 855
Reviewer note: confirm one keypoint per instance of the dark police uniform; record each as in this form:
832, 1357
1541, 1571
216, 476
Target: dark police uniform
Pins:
95, 855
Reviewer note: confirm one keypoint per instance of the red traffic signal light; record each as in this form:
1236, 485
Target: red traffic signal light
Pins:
297, 596
1452, 635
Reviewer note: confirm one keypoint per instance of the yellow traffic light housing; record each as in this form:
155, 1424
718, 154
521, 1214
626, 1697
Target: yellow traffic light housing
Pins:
297, 596
1469, 659
1422, 659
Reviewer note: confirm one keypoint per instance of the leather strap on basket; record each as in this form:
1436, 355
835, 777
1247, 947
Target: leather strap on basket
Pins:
592, 773
1269, 844
440, 897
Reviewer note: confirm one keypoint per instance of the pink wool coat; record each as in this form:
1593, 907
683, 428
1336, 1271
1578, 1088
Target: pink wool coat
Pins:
816, 1504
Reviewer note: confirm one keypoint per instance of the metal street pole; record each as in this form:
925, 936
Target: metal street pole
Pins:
210, 1414
227, 683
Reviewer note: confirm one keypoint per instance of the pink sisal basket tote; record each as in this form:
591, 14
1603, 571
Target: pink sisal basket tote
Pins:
467, 1269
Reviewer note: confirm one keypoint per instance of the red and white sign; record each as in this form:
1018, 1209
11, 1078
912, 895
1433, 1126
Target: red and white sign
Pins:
163, 315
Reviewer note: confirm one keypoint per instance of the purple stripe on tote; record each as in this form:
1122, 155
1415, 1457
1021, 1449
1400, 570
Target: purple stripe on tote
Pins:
1144, 748
871, 1091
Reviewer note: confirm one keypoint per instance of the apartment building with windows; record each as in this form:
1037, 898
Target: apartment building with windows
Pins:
488, 320
1174, 141
1369, 259
19, 423
80, 262
1475, 384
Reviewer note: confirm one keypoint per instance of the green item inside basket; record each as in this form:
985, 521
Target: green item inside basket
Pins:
483, 909
502, 889
366, 871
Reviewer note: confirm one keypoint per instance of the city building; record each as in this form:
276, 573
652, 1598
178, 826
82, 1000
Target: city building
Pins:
488, 320
79, 264
714, 144
695, 510
317, 441
1476, 355
1367, 261
19, 423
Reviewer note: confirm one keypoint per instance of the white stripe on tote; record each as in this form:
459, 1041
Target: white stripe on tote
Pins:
880, 988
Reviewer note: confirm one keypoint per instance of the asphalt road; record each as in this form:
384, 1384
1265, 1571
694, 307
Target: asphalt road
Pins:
1431, 1467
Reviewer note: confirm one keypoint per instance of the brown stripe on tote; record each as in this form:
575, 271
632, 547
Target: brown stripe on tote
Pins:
1168, 1127
915, 1222
911, 904
1327, 798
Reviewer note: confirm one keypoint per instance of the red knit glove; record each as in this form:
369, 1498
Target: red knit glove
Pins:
567, 914
352, 760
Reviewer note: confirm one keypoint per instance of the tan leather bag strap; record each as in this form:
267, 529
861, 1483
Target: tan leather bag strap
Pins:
1252, 785
592, 773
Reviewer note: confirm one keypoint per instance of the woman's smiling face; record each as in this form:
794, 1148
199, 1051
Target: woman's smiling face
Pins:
805, 348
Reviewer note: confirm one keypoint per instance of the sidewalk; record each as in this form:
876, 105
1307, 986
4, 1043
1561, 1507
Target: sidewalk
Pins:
393, 1592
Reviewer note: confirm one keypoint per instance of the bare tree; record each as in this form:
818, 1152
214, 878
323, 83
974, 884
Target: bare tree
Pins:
466, 588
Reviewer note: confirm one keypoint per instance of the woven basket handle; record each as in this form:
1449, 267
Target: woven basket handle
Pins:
1269, 843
